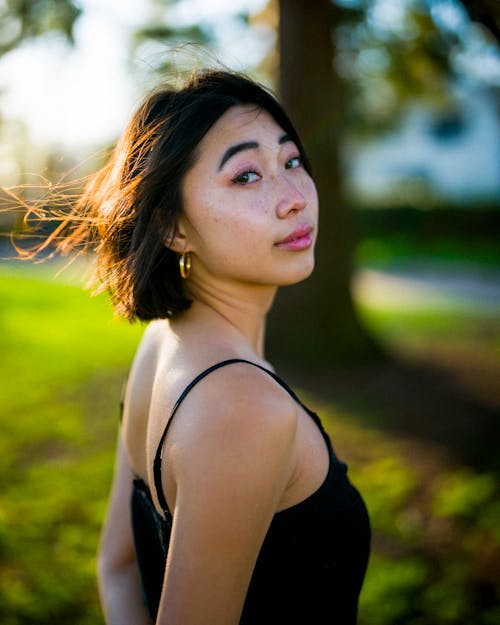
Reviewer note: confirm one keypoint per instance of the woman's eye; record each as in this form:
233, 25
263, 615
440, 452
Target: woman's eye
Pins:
293, 163
246, 177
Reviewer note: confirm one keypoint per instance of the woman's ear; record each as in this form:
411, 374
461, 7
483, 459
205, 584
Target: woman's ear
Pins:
175, 238
177, 242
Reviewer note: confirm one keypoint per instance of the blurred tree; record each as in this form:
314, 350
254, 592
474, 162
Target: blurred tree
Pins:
22, 20
156, 35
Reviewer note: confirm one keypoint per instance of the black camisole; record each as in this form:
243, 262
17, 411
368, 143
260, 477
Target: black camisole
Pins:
312, 562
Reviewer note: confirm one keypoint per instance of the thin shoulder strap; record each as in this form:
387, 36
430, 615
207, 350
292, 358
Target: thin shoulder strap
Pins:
159, 450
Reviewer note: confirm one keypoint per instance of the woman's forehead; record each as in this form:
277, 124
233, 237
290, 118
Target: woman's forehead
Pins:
242, 122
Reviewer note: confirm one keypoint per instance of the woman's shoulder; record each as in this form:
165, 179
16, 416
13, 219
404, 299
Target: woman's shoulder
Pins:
234, 399
146, 354
232, 418
230, 378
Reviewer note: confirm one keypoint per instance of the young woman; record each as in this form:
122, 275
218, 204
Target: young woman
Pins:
229, 505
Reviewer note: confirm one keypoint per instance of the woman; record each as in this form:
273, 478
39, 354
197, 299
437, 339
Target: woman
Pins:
228, 504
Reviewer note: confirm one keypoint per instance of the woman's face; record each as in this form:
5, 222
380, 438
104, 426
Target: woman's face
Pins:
250, 209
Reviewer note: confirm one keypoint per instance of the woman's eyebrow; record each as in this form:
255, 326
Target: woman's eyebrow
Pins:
247, 145
234, 149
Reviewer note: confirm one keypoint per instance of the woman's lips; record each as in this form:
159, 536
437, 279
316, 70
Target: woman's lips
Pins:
298, 240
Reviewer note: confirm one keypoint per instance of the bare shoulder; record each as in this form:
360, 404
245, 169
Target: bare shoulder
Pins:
233, 418
238, 398
151, 338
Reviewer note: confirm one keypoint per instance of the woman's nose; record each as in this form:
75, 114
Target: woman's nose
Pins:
292, 200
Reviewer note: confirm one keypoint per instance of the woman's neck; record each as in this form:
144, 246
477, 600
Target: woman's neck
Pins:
241, 310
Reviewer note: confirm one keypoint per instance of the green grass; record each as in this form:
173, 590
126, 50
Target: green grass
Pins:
422, 330
385, 249
64, 360
409, 323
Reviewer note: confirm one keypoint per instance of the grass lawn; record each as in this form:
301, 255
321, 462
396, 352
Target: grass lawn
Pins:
65, 358
64, 361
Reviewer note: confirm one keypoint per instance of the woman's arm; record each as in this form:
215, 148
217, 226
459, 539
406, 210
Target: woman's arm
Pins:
118, 574
231, 460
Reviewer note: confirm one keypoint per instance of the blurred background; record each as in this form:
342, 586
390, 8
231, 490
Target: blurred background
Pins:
395, 339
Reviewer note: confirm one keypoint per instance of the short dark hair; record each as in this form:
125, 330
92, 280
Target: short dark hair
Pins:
131, 207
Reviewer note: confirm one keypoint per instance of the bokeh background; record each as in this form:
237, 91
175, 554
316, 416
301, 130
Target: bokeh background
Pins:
395, 339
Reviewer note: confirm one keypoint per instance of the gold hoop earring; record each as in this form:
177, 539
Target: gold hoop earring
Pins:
185, 264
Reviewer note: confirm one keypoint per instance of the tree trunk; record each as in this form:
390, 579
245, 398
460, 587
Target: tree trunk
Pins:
315, 322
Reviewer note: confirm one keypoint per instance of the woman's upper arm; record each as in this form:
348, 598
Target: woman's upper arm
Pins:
118, 574
232, 460
116, 548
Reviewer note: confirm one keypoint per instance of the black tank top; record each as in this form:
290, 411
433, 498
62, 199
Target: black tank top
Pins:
312, 562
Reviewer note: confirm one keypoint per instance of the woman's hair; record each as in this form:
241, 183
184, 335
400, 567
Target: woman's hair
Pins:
129, 209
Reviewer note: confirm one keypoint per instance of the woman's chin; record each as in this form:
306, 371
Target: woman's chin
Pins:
299, 275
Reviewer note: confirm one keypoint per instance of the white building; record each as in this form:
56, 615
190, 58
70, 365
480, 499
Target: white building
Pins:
452, 156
